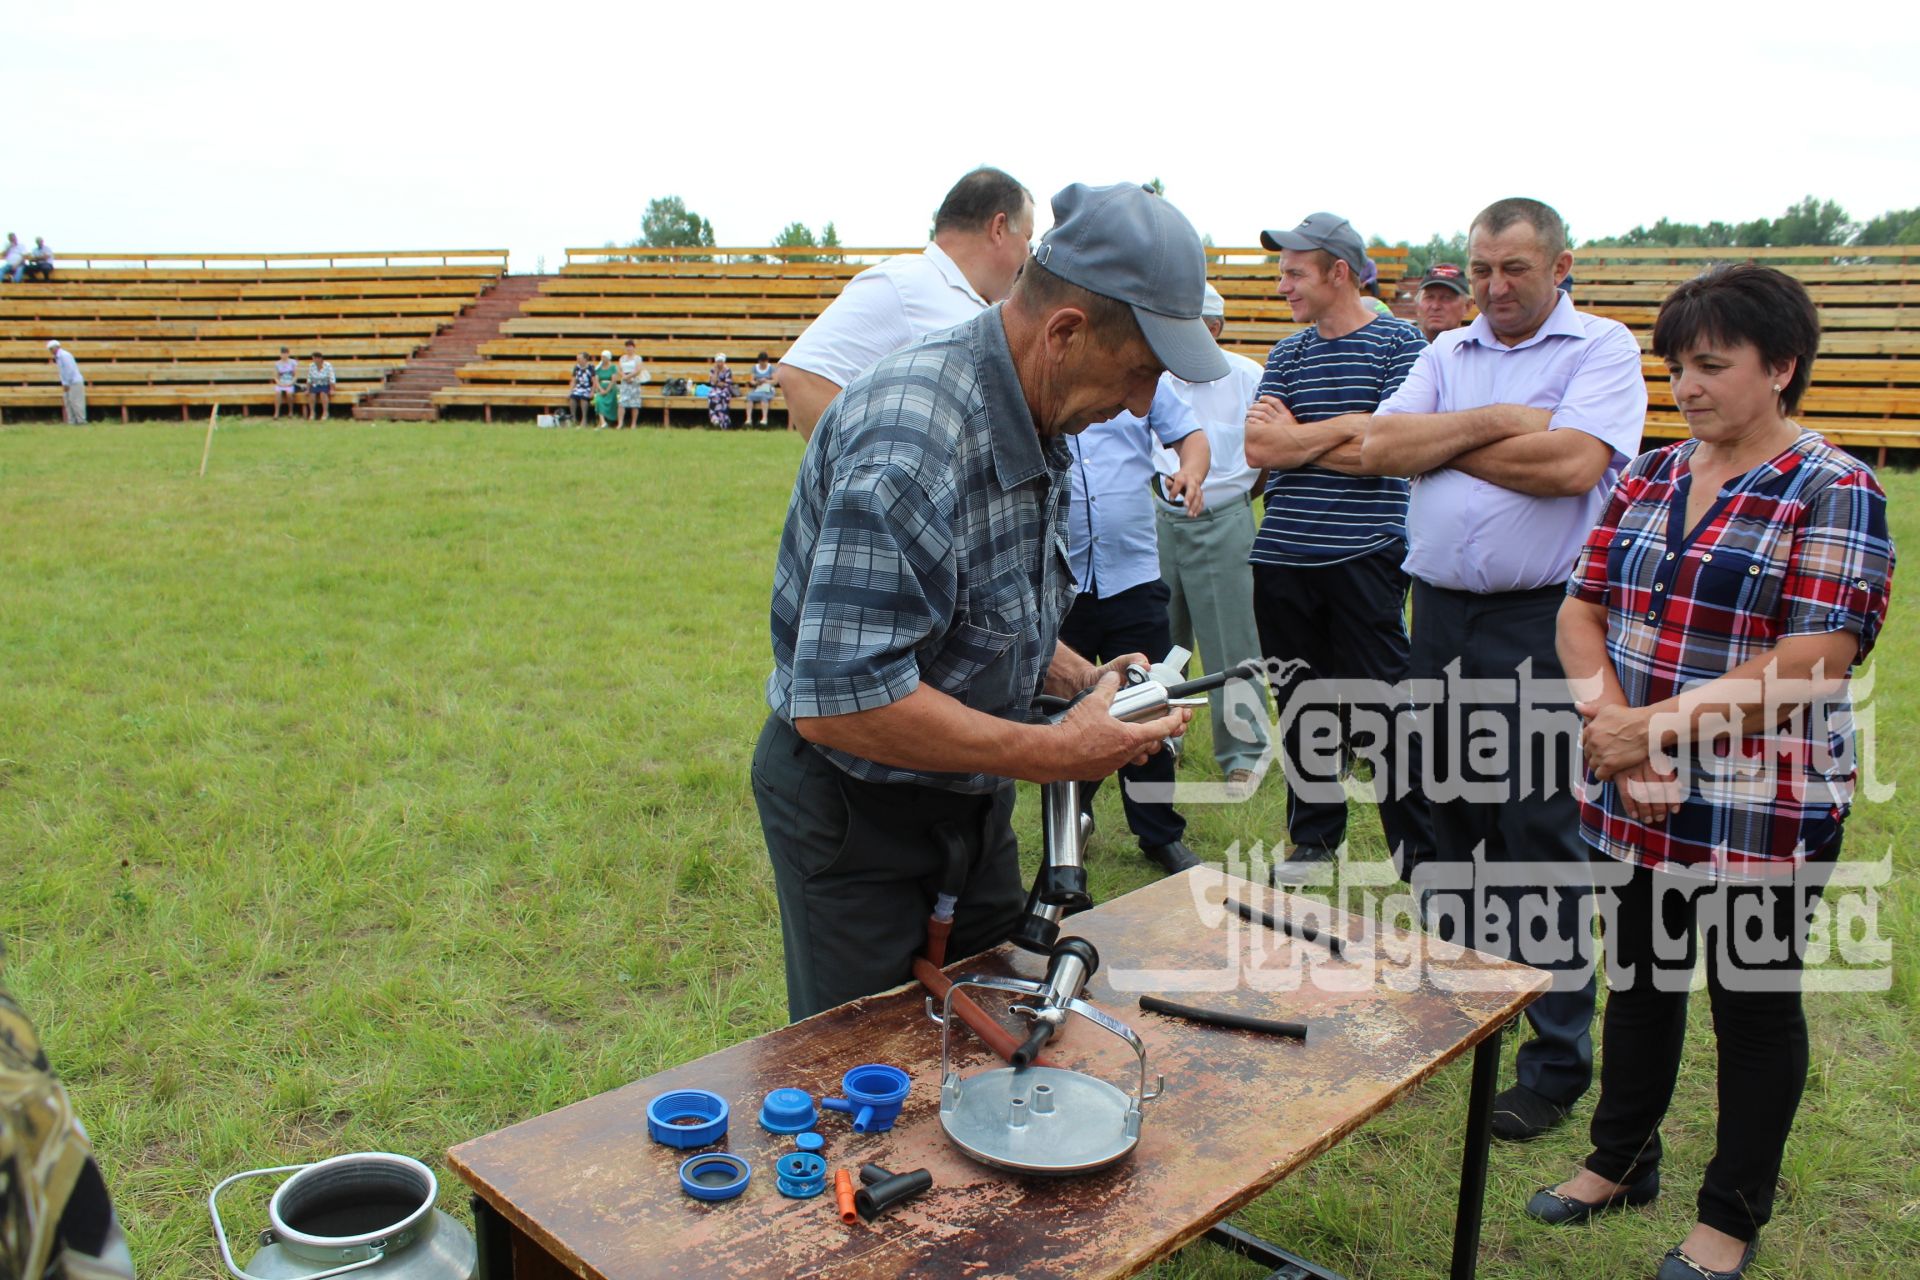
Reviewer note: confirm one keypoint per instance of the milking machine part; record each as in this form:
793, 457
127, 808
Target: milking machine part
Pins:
875, 1093
687, 1118
1060, 887
1043, 1120
717, 1175
800, 1175
788, 1111
359, 1211
883, 1195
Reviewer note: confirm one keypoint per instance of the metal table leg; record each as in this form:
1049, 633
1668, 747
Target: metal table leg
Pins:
1473, 1160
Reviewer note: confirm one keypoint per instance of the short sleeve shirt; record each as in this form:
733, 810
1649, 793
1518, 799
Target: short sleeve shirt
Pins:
1797, 546
925, 542
881, 310
1315, 516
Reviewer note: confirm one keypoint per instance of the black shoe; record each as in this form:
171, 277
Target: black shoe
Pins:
1557, 1210
1521, 1115
1171, 858
1678, 1266
1306, 862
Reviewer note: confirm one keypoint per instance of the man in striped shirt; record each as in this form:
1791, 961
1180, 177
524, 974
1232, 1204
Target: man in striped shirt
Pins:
1329, 595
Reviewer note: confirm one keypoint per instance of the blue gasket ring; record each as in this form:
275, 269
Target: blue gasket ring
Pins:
801, 1174
668, 1118
693, 1166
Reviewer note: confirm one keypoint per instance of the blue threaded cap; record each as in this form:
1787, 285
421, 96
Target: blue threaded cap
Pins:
687, 1118
788, 1111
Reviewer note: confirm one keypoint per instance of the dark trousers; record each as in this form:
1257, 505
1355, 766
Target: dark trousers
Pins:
1130, 621
1754, 988
1342, 622
857, 865
1499, 780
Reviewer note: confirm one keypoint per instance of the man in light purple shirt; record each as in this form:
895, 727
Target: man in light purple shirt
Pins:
1514, 429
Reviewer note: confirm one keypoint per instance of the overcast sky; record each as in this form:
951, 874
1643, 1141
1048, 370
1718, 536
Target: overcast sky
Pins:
215, 126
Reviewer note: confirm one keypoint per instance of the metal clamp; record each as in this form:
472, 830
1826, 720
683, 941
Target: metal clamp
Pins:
377, 1251
1021, 986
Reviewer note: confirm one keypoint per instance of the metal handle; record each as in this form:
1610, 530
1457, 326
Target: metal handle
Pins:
378, 1252
1023, 986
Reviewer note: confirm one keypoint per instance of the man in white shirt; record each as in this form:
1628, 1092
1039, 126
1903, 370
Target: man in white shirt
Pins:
15, 261
981, 234
1203, 557
73, 387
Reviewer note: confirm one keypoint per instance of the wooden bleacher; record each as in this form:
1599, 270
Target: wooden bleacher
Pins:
188, 331
678, 312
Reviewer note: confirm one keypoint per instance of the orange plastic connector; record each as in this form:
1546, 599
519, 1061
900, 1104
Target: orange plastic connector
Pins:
843, 1192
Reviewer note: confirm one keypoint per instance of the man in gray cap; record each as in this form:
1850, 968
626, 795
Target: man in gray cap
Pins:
918, 594
1329, 596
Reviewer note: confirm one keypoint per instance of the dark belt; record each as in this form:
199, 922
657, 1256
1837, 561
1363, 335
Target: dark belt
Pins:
1549, 591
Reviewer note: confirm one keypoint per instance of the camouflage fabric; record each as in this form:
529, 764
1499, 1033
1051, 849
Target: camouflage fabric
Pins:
56, 1220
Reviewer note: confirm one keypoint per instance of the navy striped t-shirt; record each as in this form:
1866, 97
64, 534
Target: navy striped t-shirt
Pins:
1316, 516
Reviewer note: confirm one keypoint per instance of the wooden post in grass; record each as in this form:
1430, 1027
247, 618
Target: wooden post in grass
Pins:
207, 450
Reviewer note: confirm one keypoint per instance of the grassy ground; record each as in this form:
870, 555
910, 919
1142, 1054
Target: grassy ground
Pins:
388, 786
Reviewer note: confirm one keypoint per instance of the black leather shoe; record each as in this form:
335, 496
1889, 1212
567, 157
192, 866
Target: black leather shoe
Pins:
1678, 1266
1521, 1115
1306, 863
1171, 858
1557, 1210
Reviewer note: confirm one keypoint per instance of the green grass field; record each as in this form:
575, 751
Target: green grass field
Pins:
389, 785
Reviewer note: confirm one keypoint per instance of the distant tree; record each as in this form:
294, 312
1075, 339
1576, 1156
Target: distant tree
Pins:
1158, 187
1451, 248
1896, 226
1813, 222
668, 223
830, 239
795, 235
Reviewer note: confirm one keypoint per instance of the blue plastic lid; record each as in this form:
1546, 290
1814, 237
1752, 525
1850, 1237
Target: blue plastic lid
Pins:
810, 1142
714, 1176
788, 1111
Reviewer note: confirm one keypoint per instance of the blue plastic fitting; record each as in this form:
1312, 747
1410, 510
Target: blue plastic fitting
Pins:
714, 1176
812, 1142
801, 1174
687, 1118
875, 1093
788, 1111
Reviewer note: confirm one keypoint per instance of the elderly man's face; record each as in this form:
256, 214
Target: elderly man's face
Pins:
1515, 283
1097, 381
1440, 307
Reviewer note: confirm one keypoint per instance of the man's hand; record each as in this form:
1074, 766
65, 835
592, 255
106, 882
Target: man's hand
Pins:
1091, 744
1650, 790
1184, 486
1615, 738
1070, 673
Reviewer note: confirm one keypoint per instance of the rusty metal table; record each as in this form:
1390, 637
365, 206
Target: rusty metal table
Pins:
583, 1191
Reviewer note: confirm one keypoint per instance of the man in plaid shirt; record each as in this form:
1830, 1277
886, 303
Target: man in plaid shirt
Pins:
919, 590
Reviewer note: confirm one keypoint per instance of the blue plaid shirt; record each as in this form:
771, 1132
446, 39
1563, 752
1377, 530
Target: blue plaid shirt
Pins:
926, 541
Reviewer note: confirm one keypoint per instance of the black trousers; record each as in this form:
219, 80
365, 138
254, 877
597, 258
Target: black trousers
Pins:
1342, 622
1754, 987
857, 865
1130, 621
1511, 873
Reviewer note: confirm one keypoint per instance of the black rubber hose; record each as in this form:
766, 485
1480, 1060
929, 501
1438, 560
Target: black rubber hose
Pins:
885, 1195
1224, 1018
872, 1173
1030, 1048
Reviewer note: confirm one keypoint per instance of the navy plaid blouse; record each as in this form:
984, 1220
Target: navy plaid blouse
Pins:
1797, 546
925, 541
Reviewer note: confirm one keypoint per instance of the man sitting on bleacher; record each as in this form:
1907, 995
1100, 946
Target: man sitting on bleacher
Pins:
981, 235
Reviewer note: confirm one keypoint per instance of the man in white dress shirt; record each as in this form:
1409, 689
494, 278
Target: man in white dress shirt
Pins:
981, 234
1203, 558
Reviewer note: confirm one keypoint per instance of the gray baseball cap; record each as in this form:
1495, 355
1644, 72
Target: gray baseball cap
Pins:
1327, 231
1124, 243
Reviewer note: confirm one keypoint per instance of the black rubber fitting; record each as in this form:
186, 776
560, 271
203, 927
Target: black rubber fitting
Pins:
889, 1193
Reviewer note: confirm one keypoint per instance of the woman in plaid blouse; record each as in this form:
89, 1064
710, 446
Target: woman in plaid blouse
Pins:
1711, 623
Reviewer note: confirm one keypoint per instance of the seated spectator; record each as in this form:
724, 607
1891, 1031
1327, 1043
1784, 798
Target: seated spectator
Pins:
15, 261
320, 387
40, 261
1370, 290
284, 370
580, 397
761, 393
633, 377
